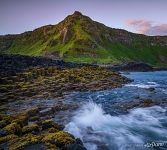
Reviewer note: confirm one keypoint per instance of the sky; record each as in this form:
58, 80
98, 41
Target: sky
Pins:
140, 16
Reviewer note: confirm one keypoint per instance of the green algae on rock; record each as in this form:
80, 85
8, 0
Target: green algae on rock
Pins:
61, 138
21, 119
17, 135
33, 128
52, 82
47, 124
7, 138
21, 142
13, 128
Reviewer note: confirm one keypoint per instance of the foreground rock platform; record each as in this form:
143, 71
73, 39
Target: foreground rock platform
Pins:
53, 82
17, 133
24, 78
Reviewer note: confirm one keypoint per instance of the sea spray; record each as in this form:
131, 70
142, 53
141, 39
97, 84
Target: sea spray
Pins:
144, 86
99, 130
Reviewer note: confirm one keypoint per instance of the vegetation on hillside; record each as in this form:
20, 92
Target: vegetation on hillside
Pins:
79, 39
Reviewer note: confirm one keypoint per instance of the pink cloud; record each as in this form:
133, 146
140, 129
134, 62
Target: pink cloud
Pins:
147, 27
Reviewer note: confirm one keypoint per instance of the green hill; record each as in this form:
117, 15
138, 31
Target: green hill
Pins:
79, 38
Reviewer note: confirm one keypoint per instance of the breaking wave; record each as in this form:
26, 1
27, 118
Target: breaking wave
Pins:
102, 131
144, 86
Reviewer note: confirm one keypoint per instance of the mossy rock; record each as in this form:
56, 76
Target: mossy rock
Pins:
147, 103
7, 118
3, 89
52, 130
21, 119
35, 146
49, 124
151, 89
33, 128
13, 128
2, 133
10, 81
22, 142
7, 138
61, 138
51, 146
3, 123
33, 112
32, 83
34, 118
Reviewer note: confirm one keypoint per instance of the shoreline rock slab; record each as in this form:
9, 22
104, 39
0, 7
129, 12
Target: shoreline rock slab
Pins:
53, 82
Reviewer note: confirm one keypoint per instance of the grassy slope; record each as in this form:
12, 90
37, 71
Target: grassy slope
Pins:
48, 39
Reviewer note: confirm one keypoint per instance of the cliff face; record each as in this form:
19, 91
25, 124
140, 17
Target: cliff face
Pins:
79, 38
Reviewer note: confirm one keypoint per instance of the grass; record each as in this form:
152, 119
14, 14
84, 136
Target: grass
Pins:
78, 48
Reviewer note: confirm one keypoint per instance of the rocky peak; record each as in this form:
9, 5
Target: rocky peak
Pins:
66, 26
77, 13
71, 19
76, 16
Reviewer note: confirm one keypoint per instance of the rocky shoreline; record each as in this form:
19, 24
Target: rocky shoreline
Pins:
125, 107
133, 67
12, 64
32, 90
17, 133
25, 79
53, 82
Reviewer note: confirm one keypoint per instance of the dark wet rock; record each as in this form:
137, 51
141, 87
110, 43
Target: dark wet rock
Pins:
34, 119
124, 107
4, 146
47, 117
37, 146
3, 123
76, 147
2, 132
63, 107
11, 64
151, 89
131, 66
46, 111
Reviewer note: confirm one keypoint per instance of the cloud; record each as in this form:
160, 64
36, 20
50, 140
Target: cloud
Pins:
147, 27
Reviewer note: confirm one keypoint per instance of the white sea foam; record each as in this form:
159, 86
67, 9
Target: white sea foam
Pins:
164, 90
93, 126
144, 86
